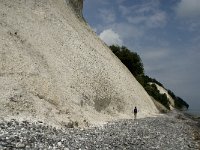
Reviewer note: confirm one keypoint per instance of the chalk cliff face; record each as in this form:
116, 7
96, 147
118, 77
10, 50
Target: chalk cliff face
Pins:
55, 69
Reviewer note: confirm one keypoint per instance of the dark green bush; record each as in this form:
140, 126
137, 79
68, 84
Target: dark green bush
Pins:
154, 92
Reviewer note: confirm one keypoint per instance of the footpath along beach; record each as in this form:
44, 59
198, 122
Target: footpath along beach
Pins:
174, 131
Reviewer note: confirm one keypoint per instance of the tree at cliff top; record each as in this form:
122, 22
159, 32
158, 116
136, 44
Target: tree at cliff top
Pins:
130, 59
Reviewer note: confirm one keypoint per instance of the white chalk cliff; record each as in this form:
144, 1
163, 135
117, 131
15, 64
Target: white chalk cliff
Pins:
54, 68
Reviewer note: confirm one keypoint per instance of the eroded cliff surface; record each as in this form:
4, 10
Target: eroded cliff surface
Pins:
54, 68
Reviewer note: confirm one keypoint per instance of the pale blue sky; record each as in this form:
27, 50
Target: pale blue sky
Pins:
165, 33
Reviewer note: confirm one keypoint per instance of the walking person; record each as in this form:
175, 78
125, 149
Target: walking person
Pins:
135, 112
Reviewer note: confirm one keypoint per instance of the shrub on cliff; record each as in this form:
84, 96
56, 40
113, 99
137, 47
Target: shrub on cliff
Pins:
154, 92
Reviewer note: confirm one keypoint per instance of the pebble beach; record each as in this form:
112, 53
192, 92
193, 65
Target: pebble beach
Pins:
166, 132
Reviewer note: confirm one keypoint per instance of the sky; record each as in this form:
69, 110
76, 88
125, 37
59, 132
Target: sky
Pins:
165, 33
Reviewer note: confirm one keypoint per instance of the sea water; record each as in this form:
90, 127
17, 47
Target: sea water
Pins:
195, 112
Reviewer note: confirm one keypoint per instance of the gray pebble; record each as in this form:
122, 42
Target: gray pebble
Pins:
148, 134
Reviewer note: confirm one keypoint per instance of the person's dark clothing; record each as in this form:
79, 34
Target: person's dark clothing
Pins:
135, 112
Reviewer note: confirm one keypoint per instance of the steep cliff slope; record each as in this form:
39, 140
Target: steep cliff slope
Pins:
53, 68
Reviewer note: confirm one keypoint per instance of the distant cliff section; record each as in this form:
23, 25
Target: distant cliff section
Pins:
174, 102
164, 99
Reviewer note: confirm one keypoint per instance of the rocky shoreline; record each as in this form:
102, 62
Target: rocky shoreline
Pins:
164, 132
